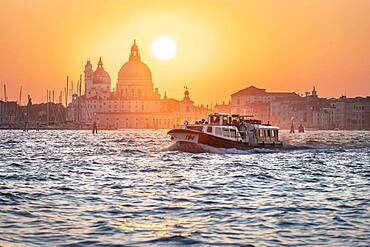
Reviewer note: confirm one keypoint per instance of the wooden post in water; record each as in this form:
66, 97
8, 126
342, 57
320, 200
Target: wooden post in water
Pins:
95, 128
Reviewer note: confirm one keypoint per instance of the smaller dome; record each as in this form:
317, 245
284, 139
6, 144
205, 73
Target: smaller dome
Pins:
100, 76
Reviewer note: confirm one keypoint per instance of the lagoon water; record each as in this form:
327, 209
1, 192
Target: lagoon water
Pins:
132, 188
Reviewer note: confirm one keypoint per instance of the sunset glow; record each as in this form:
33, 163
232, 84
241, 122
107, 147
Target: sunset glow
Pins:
178, 123
164, 48
221, 45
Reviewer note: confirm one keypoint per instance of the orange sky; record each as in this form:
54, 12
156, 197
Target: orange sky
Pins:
223, 46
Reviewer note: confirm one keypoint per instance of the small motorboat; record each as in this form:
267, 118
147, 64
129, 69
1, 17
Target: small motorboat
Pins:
224, 130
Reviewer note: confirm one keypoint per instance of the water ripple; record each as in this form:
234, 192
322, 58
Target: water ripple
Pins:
133, 188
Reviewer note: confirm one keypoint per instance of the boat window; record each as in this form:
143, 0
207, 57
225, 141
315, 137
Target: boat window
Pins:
218, 131
226, 132
225, 119
243, 135
235, 121
272, 133
209, 129
269, 133
215, 120
233, 133
197, 128
276, 133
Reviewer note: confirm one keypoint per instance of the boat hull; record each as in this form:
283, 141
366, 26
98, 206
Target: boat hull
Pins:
186, 137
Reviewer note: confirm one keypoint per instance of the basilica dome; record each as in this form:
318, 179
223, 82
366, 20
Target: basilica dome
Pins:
134, 69
100, 76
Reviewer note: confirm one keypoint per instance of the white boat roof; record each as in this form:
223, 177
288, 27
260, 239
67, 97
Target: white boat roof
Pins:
257, 126
229, 114
261, 126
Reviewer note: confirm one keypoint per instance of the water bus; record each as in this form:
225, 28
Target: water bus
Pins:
224, 130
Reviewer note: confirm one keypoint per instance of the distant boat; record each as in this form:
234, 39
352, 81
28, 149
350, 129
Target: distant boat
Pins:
227, 131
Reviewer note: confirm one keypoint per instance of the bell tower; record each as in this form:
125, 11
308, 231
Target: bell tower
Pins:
88, 79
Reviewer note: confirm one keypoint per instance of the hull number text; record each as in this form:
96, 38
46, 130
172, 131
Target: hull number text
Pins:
189, 137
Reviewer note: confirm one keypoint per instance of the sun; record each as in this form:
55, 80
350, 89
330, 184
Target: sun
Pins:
164, 48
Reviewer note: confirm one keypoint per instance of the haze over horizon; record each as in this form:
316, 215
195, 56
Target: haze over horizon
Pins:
222, 46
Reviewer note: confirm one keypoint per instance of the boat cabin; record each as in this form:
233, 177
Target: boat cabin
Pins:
240, 128
226, 119
230, 130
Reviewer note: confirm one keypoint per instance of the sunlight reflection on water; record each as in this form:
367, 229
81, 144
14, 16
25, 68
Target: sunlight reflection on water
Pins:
127, 187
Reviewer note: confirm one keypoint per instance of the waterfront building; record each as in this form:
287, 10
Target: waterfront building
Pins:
351, 113
224, 108
283, 109
256, 101
134, 102
2, 112
8, 112
284, 112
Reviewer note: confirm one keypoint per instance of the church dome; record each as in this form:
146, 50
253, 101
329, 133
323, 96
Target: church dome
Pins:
100, 76
134, 69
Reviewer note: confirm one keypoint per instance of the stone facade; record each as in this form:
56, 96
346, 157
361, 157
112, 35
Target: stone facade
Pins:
257, 101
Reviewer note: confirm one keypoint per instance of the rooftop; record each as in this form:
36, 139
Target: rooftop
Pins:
254, 91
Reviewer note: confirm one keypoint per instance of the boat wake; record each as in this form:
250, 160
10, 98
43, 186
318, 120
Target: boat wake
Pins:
288, 147
201, 148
